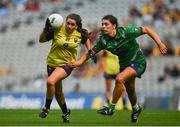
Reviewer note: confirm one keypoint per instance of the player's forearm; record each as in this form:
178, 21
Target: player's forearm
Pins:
152, 34
84, 58
88, 45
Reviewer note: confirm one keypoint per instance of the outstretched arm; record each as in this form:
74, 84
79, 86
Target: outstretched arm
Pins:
83, 59
88, 44
90, 51
155, 37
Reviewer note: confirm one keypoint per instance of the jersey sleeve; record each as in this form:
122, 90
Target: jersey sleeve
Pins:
98, 46
133, 32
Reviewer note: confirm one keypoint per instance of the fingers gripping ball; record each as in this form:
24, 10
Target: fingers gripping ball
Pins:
56, 20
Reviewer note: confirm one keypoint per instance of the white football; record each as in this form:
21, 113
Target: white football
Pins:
56, 20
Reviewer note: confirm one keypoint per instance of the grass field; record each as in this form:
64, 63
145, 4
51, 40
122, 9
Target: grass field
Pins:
88, 118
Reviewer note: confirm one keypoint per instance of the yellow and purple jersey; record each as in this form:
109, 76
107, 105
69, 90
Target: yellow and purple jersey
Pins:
64, 47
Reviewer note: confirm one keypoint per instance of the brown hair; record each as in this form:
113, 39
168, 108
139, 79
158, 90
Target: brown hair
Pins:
84, 32
112, 19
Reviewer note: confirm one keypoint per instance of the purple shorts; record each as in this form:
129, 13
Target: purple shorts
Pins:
109, 76
67, 69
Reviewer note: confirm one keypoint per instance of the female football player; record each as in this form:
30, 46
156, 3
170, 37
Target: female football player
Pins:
65, 41
121, 41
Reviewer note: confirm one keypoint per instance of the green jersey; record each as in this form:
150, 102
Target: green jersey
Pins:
123, 45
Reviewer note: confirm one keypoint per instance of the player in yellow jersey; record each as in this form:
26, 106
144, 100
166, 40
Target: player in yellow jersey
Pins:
65, 41
111, 69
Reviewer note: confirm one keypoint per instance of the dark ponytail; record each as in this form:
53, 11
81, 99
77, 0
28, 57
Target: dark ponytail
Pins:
84, 32
84, 35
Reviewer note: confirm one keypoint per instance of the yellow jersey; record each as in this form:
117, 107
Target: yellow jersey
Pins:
111, 64
64, 47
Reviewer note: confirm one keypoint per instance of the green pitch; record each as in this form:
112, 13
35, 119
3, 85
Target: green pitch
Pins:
87, 118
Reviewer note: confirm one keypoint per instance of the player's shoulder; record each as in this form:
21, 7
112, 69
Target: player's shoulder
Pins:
121, 29
102, 39
60, 29
76, 33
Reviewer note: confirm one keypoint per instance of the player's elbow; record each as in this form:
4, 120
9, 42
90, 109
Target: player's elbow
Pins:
146, 30
41, 41
42, 38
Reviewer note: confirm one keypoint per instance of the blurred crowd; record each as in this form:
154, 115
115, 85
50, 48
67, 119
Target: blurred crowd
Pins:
171, 71
22, 5
163, 17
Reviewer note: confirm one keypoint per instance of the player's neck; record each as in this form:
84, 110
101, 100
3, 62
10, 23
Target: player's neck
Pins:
113, 33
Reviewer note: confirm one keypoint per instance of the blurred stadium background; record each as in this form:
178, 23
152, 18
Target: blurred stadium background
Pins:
22, 57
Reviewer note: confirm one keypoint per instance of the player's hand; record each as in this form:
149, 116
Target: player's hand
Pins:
92, 55
47, 24
48, 30
74, 64
163, 49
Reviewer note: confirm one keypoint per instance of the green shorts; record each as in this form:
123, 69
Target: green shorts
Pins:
139, 67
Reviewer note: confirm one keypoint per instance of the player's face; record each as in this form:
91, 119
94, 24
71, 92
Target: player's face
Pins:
107, 27
70, 25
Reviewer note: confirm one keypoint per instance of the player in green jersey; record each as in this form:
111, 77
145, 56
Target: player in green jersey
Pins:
65, 41
121, 41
